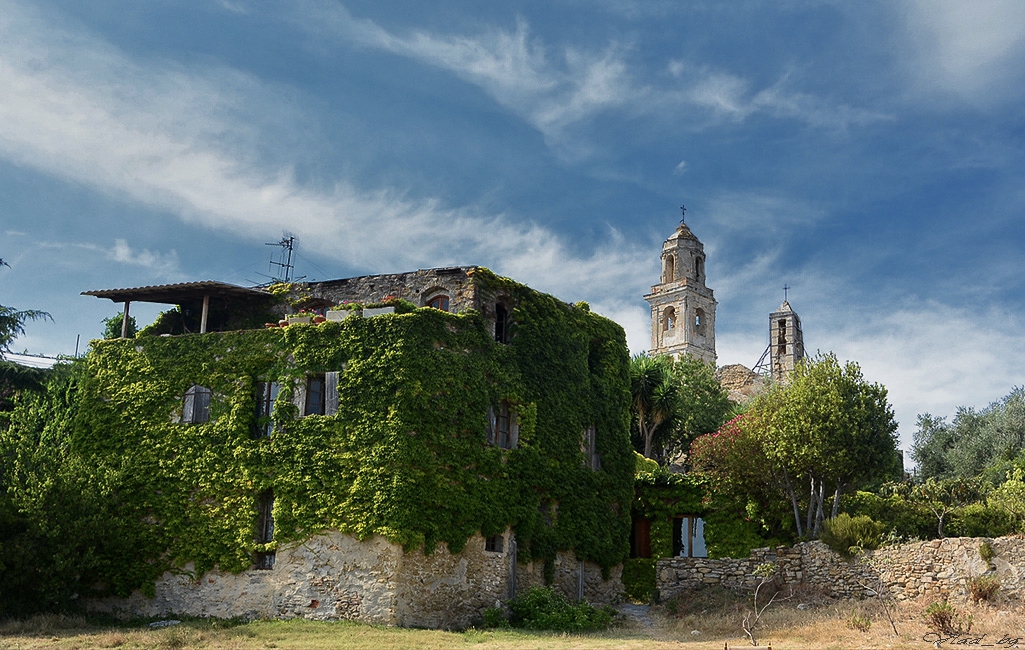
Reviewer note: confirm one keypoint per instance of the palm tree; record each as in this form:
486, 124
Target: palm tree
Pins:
657, 397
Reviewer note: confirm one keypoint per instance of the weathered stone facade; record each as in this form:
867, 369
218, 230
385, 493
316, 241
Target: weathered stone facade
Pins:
337, 577
939, 568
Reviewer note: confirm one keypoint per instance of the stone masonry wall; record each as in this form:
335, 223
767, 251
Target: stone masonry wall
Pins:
415, 286
938, 568
336, 577
332, 576
567, 579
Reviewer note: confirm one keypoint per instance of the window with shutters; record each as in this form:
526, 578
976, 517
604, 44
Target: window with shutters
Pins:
317, 394
196, 406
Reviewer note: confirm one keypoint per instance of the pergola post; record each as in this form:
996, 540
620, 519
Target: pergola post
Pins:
124, 321
206, 312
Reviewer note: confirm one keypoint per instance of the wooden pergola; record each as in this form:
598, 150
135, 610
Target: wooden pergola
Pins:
185, 294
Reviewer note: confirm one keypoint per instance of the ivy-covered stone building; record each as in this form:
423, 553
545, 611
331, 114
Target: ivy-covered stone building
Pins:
410, 465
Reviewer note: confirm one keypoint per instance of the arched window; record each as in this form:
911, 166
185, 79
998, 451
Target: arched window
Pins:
699, 321
439, 302
669, 319
699, 267
196, 408
669, 272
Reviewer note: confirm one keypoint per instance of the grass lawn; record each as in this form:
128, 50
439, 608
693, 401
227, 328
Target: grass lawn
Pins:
702, 621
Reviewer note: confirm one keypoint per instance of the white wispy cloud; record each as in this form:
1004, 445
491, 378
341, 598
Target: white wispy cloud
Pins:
972, 50
555, 89
164, 264
170, 138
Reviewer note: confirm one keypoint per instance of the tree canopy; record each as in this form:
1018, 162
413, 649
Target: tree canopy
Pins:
982, 443
673, 402
827, 428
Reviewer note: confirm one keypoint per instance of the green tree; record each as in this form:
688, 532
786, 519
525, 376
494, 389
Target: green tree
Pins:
112, 326
12, 324
742, 481
975, 443
655, 400
674, 402
13, 377
830, 427
942, 496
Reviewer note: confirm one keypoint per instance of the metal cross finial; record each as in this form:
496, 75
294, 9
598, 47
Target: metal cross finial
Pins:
785, 289
683, 213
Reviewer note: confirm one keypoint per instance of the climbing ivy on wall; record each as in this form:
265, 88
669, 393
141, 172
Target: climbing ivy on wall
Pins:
405, 456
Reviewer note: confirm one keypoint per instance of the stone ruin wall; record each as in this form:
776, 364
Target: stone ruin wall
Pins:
415, 286
337, 577
937, 568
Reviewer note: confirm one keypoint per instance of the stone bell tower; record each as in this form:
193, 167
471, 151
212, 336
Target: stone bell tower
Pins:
786, 341
682, 307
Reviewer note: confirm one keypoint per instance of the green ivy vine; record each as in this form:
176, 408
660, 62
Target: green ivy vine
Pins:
405, 456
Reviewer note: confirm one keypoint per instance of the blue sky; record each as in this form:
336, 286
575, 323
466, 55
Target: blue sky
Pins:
869, 155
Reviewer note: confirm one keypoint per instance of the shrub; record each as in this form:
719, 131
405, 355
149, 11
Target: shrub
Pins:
639, 578
943, 619
849, 535
859, 621
986, 552
981, 520
542, 608
494, 617
983, 588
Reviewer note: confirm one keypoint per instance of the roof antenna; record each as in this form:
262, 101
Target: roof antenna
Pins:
287, 243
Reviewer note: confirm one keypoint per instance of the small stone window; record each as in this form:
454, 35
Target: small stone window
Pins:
439, 302
196, 407
264, 533
669, 273
501, 323
781, 337
669, 319
699, 321
494, 544
699, 268
503, 426
266, 393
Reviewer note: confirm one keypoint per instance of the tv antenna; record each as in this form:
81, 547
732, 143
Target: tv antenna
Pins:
284, 261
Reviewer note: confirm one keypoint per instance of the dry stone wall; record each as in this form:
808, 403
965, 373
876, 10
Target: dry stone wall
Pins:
939, 568
337, 577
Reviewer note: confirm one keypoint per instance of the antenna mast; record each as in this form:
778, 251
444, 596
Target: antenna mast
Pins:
287, 244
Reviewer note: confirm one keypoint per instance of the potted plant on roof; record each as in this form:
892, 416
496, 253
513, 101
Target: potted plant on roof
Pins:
344, 310
302, 317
